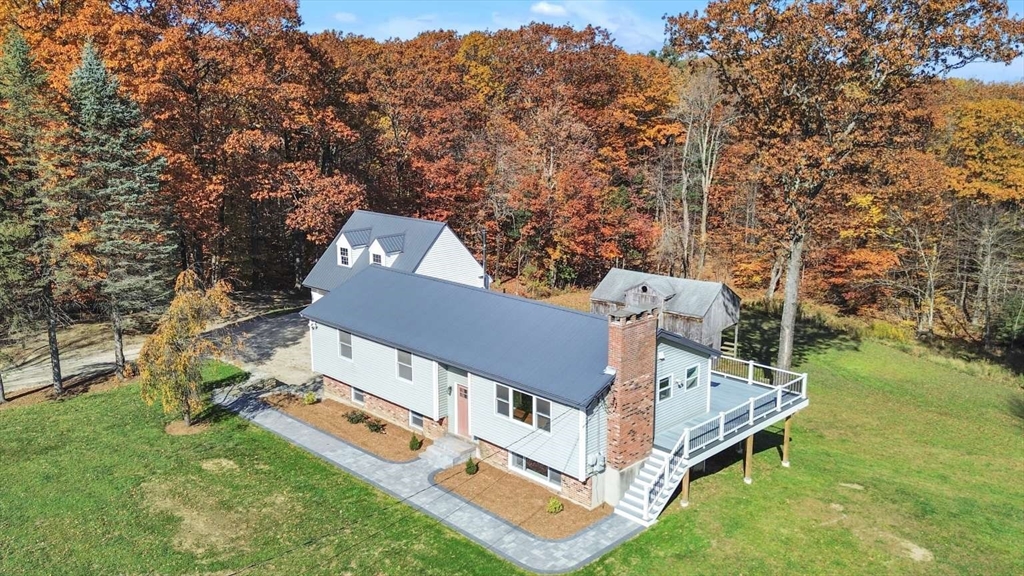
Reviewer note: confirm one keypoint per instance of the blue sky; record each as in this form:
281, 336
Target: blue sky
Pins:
636, 25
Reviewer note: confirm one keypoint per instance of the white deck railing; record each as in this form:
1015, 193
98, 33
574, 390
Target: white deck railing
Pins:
785, 389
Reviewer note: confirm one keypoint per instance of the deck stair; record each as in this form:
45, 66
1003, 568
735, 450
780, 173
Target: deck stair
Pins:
631, 505
448, 451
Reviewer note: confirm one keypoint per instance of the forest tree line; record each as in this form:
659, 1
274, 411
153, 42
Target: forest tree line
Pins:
813, 149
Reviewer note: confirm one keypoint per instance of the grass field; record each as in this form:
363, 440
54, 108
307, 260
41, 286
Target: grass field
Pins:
931, 457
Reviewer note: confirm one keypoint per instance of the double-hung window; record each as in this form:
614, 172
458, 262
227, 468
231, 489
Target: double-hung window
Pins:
344, 344
692, 377
377, 259
665, 388
404, 365
343, 256
523, 407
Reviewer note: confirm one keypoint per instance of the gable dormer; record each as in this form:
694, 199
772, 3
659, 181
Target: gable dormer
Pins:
645, 296
351, 245
385, 249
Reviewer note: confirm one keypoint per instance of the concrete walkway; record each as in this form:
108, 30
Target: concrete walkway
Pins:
411, 483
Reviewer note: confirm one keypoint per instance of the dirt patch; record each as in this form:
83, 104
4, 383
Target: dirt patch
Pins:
866, 530
519, 501
75, 386
329, 416
205, 527
218, 465
178, 428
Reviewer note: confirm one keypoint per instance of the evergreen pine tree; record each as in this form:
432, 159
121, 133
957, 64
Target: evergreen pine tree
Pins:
119, 181
33, 212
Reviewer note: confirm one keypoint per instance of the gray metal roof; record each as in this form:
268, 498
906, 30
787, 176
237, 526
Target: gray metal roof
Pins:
687, 343
683, 296
392, 243
419, 236
554, 352
357, 238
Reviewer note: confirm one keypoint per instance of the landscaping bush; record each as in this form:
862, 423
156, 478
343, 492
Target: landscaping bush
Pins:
356, 417
555, 506
375, 425
415, 443
471, 467
309, 398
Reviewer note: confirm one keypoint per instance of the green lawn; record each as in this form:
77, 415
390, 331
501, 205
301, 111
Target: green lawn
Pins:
93, 485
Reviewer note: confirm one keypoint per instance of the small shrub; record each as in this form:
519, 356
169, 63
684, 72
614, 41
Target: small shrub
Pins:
309, 398
375, 425
555, 506
415, 443
472, 467
356, 416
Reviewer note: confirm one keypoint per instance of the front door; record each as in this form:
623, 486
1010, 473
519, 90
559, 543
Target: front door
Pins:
463, 407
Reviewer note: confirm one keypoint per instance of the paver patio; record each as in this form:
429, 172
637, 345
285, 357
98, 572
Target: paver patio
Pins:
411, 482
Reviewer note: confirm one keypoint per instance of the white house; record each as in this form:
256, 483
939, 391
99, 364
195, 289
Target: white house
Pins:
597, 408
407, 244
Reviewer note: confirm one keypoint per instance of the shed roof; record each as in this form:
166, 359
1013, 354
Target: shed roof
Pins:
682, 295
361, 229
554, 352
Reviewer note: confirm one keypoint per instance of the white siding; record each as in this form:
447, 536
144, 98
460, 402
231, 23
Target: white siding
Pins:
449, 259
373, 369
597, 430
558, 449
684, 404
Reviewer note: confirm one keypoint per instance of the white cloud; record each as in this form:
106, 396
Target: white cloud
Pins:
346, 17
547, 9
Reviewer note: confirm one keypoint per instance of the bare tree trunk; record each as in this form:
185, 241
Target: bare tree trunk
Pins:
773, 280
118, 325
686, 237
51, 329
791, 301
3, 394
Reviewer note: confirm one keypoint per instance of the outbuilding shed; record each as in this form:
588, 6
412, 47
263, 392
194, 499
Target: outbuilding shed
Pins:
695, 309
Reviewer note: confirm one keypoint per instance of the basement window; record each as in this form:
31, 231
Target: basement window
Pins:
415, 420
535, 469
358, 397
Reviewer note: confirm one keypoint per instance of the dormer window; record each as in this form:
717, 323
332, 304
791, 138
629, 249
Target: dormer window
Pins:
343, 256
377, 259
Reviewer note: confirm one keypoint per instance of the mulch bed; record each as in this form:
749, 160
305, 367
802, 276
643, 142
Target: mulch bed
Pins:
329, 416
519, 500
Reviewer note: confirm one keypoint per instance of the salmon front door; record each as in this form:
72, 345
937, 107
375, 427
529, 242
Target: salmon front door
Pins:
463, 407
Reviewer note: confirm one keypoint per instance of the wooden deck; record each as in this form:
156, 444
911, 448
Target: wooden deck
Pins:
726, 394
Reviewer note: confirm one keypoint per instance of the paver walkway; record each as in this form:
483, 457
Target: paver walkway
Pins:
411, 482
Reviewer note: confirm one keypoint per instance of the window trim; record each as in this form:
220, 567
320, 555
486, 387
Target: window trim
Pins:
658, 389
374, 256
361, 393
511, 408
695, 377
344, 257
412, 424
351, 348
398, 366
531, 475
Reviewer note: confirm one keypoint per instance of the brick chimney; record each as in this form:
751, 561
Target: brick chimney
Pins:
632, 346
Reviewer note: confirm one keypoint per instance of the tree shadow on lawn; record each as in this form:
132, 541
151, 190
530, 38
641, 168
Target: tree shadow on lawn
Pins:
759, 337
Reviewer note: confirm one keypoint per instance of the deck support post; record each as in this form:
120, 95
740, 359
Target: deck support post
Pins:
748, 459
785, 442
684, 490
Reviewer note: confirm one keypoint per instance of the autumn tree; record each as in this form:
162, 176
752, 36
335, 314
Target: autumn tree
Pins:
120, 182
821, 85
171, 359
35, 220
